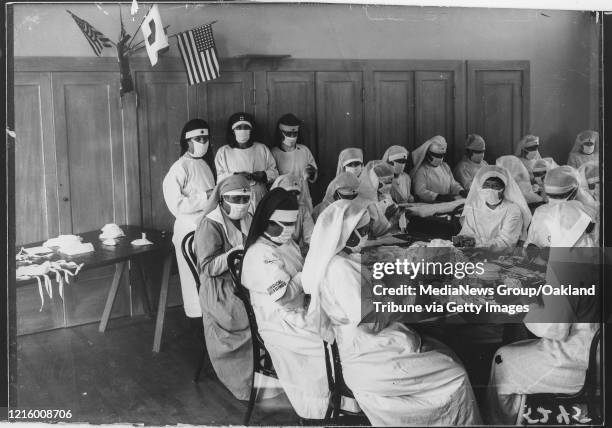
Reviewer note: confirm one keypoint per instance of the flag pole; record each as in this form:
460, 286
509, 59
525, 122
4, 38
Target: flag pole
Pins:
137, 46
138, 28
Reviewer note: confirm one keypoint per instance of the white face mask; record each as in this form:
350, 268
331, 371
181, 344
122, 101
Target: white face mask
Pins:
588, 150
284, 236
532, 155
491, 196
477, 157
290, 141
242, 135
237, 211
354, 169
199, 149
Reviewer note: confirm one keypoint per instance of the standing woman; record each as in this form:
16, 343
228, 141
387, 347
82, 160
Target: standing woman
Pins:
586, 149
226, 326
186, 188
242, 155
294, 158
397, 157
272, 269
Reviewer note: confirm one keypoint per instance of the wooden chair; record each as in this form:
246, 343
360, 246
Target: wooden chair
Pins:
338, 388
589, 394
192, 261
262, 363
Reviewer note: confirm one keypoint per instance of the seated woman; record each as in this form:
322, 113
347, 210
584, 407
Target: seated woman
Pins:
398, 377
344, 186
589, 174
397, 157
305, 223
271, 270
495, 213
376, 181
223, 230
472, 161
350, 160
586, 149
432, 178
527, 151
521, 176
540, 168
565, 325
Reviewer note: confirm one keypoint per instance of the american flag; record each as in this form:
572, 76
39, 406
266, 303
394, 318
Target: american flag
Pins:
96, 39
199, 54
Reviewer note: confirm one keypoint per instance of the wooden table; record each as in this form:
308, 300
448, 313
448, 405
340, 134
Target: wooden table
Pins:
120, 255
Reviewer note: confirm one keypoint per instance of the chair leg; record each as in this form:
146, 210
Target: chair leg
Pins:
247, 416
196, 377
337, 404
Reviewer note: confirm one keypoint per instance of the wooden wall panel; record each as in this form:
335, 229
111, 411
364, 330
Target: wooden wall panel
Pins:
30, 317
36, 203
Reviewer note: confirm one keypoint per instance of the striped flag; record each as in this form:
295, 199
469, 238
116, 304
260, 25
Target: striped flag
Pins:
96, 39
199, 54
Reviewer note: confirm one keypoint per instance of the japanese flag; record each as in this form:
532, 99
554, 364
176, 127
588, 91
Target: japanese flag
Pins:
155, 37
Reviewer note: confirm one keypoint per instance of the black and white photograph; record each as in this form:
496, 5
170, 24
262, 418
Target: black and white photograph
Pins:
265, 213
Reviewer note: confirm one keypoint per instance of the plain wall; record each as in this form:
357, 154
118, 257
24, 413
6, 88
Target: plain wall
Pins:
562, 46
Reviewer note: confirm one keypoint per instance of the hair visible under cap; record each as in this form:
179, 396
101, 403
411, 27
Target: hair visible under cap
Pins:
288, 119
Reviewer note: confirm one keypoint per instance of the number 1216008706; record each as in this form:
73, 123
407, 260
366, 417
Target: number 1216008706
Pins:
31, 414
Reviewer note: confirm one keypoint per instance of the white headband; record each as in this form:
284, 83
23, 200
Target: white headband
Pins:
285, 215
237, 192
558, 190
288, 128
346, 162
196, 133
398, 156
241, 122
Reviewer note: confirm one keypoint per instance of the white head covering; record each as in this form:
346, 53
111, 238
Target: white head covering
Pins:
344, 179
368, 188
437, 144
290, 182
512, 192
517, 171
527, 141
395, 153
331, 231
475, 142
348, 155
568, 223
585, 136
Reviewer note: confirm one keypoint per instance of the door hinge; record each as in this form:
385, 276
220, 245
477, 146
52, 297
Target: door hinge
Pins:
363, 94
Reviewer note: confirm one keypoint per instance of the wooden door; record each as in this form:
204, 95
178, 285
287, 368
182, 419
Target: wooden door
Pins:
434, 108
291, 92
339, 106
498, 104
89, 144
215, 101
392, 112
36, 202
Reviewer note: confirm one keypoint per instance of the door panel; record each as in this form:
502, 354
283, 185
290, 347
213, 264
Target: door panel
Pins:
90, 150
339, 120
496, 108
36, 204
292, 92
394, 111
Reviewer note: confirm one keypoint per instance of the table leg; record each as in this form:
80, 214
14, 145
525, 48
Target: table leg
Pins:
144, 294
112, 293
161, 307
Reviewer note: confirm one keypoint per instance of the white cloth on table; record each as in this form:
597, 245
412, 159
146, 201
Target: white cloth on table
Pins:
184, 189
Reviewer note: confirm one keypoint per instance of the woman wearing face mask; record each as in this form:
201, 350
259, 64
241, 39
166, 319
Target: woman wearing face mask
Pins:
495, 213
521, 176
398, 377
243, 156
586, 149
472, 161
344, 186
186, 188
304, 223
294, 158
432, 178
397, 157
350, 160
271, 271
226, 327
528, 152
376, 181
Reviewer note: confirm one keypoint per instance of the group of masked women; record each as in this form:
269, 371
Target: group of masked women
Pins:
303, 271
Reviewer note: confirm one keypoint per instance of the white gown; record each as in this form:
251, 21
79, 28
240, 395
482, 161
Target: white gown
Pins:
465, 171
539, 233
294, 162
289, 334
400, 189
397, 378
184, 188
229, 160
498, 228
429, 182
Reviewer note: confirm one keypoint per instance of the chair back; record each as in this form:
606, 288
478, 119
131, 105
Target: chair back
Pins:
190, 256
262, 362
591, 380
